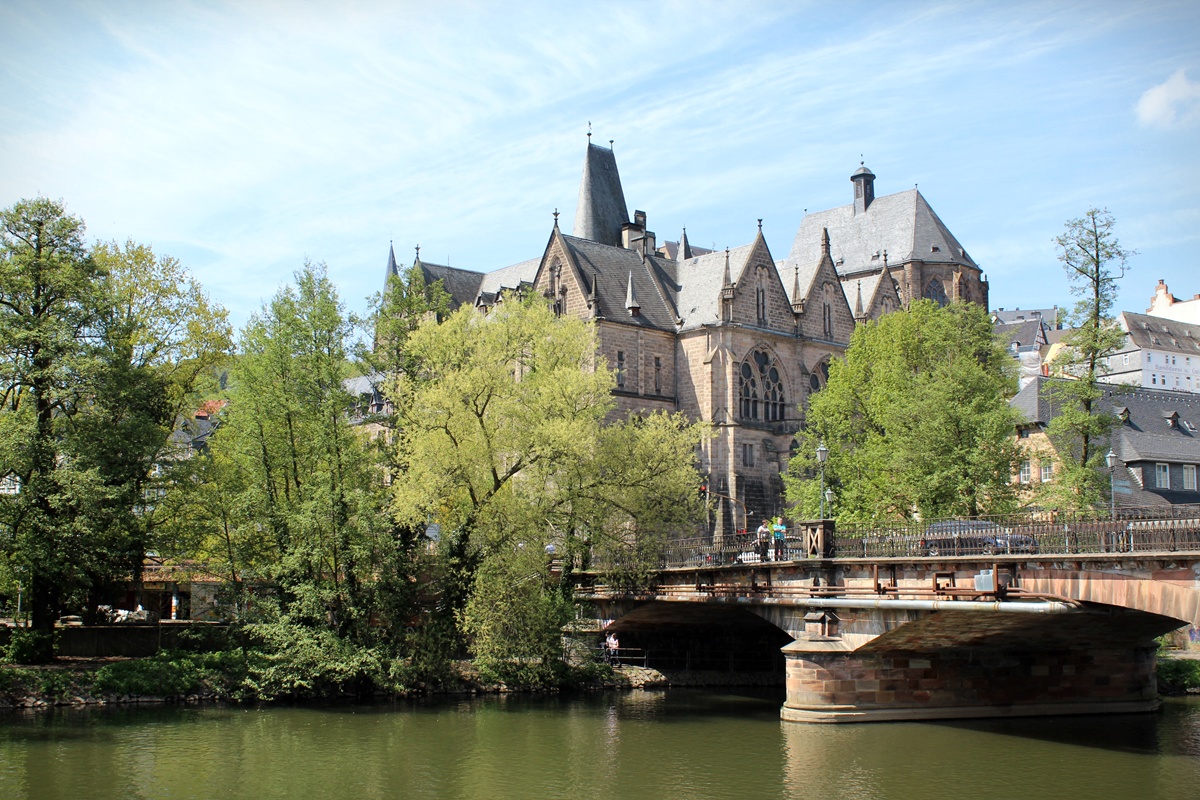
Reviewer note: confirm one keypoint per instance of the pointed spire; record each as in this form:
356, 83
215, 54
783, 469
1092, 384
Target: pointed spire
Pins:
824, 241
631, 303
858, 308
393, 269
418, 252
797, 300
728, 277
685, 249
601, 210
556, 219
591, 298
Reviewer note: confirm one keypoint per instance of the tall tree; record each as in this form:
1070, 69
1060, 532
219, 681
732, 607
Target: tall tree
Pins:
1094, 261
51, 308
502, 444
916, 420
307, 491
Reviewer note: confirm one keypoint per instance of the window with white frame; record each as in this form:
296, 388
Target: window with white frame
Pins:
1162, 476
1026, 471
1189, 477
1047, 471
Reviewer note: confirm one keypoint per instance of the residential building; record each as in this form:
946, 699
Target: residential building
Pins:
1164, 304
1158, 353
1155, 439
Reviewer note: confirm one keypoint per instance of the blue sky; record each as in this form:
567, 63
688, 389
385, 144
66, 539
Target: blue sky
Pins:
245, 137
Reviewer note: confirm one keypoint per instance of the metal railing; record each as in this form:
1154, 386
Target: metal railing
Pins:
1133, 530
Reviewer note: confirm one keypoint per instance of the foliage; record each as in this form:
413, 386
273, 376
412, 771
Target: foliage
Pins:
1094, 261
501, 444
26, 645
101, 350
916, 420
1178, 675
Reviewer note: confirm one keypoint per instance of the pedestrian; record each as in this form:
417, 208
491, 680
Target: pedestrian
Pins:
763, 540
780, 534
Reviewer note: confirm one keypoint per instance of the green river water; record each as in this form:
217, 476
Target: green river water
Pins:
655, 745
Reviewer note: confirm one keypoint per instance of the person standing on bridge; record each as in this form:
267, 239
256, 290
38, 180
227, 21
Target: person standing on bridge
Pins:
763, 540
780, 534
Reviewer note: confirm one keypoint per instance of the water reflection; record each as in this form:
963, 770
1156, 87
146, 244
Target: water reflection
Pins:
666, 745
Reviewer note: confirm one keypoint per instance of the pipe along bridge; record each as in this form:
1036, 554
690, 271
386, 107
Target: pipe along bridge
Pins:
1046, 618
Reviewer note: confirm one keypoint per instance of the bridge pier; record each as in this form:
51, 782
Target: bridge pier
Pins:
826, 684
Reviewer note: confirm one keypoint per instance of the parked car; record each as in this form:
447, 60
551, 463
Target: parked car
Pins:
973, 537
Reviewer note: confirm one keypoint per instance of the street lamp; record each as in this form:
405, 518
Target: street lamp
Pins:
829, 499
822, 457
1110, 458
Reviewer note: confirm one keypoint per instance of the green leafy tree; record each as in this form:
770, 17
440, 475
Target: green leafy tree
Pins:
52, 305
915, 418
1094, 262
305, 502
501, 443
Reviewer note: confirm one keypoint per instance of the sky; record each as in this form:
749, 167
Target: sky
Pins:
246, 137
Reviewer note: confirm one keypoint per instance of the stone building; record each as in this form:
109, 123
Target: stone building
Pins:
732, 336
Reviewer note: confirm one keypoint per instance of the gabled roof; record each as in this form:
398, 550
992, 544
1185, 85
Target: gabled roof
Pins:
611, 267
1024, 333
510, 277
699, 282
862, 285
1158, 333
461, 284
901, 224
601, 210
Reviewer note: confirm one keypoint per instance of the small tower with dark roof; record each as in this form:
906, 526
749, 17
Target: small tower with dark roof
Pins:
864, 188
601, 211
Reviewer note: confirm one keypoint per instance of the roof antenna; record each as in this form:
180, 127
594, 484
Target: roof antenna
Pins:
610, 141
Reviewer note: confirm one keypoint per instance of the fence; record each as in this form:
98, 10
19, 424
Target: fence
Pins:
1132, 530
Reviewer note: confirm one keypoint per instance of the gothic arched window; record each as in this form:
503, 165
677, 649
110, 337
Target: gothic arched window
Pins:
818, 377
760, 388
936, 292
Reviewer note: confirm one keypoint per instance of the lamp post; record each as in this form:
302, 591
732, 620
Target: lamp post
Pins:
822, 457
829, 500
1110, 458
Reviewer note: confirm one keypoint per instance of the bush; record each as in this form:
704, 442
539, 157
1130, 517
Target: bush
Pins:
1177, 675
26, 646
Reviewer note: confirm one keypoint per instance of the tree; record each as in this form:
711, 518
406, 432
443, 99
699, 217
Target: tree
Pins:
101, 351
51, 309
303, 500
1094, 261
915, 419
502, 443
160, 335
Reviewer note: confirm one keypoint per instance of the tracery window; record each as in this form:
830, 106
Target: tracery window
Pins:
760, 387
936, 292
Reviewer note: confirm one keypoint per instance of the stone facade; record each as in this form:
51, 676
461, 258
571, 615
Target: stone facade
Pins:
731, 337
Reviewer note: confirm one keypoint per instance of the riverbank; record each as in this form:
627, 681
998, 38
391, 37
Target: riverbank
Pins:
188, 678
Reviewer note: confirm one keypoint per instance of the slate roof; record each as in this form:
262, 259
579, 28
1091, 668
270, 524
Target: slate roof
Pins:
461, 284
1143, 439
902, 224
698, 282
801, 272
1158, 333
1025, 333
866, 283
610, 267
601, 210
1047, 315
510, 277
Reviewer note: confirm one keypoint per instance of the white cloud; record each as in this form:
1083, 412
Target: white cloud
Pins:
1173, 104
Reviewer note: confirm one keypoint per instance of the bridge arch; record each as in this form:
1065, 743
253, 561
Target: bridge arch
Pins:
1169, 592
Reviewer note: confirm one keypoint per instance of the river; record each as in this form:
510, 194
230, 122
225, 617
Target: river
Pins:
678, 744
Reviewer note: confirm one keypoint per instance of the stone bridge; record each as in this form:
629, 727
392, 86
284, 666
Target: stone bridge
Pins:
916, 636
